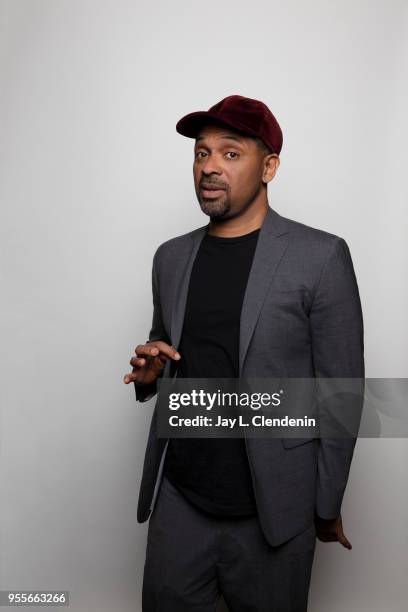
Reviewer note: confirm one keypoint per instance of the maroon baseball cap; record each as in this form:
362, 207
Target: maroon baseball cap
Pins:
245, 115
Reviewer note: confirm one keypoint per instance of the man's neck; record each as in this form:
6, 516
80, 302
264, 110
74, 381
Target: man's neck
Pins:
249, 221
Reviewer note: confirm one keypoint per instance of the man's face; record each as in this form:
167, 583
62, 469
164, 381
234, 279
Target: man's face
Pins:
227, 160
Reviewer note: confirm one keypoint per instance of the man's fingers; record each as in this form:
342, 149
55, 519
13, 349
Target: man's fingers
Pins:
344, 541
137, 362
326, 537
331, 531
160, 361
130, 377
146, 350
168, 350
155, 348
155, 355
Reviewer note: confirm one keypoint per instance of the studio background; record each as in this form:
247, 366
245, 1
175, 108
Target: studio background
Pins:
93, 177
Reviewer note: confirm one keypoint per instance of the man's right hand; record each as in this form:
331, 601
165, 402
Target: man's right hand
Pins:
149, 361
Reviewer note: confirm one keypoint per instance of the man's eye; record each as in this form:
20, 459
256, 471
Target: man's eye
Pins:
198, 154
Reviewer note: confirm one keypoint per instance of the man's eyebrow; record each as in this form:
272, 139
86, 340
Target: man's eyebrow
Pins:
229, 137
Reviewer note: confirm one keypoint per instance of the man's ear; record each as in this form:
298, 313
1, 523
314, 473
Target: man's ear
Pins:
271, 165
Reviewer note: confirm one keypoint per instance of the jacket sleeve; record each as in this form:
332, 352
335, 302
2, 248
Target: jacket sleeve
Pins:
157, 332
336, 325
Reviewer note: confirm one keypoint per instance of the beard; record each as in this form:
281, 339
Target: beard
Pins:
215, 209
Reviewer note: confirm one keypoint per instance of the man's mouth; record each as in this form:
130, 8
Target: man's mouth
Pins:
211, 191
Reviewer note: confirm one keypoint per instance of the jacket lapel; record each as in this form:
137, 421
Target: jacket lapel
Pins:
271, 246
182, 280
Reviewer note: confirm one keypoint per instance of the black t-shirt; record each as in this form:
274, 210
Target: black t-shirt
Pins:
214, 473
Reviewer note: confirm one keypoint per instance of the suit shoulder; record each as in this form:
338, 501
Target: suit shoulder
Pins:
172, 245
309, 235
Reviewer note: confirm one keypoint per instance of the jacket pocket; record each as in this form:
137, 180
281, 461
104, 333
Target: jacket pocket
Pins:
292, 442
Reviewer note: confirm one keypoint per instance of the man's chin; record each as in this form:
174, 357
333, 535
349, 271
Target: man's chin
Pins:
214, 210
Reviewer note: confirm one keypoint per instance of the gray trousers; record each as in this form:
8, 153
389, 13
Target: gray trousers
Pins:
192, 558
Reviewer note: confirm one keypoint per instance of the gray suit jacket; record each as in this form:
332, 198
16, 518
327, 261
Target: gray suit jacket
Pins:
301, 318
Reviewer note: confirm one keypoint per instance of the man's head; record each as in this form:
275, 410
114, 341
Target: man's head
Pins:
237, 146
238, 164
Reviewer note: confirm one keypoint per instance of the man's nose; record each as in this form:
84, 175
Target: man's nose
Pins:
211, 165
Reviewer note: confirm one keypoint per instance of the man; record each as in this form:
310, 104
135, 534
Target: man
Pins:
250, 294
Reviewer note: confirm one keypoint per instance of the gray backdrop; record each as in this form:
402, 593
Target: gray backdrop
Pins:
94, 177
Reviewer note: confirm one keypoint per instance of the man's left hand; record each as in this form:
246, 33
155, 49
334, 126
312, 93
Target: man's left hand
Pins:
331, 530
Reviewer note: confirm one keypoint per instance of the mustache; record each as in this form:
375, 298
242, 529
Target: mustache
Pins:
211, 185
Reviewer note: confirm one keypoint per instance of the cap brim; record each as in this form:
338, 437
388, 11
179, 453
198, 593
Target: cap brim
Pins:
191, 124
